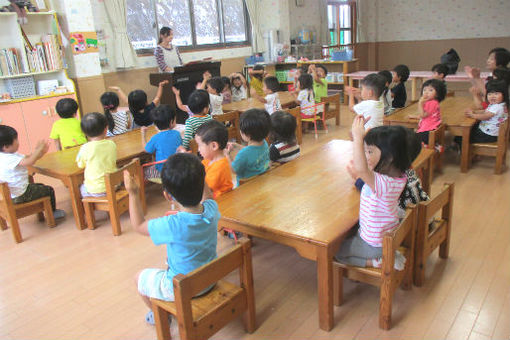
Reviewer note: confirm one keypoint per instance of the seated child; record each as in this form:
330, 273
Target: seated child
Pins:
320, 84
304, 96
499, 57
297, 73
386, 95
13, 170
227, 91
284, 146
238, 87
212, 138
214, 86
190, 235
119, 121
66, 132
478, 98
253, 159
440, 71
198, 103
370, 107
398, 91
178, 102
98, 156
271, 100
256, 76
165, 143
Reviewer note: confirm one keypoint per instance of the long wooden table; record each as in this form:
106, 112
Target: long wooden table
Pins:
286, 99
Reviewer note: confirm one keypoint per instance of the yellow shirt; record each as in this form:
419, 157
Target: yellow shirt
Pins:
98, 158
68, 131
256, 84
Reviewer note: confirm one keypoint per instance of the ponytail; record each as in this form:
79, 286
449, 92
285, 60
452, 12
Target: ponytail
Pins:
109, 119
163, 32
110, 101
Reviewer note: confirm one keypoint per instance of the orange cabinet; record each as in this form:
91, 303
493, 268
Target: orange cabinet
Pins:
13, 116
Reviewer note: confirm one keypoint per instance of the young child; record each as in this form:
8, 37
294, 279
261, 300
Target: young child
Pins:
98, 156
500, 73
253, 159
212, 138
214, 86
440, 71
256, 75
198, 103
271, 100
284, 146
165, 143
386, 95
398, 92
305, 97
119, 121
380, 159
178, 102
238, 87
297, 73
432, 93
499, 57
370, 107
190, 235
13, 170
66, 132
227, 90
320, 84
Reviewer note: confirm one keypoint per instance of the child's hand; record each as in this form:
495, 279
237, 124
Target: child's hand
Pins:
182, 149
143, 130
411, 116
207, 75
358, 128
163, 83
176, 91
351, 171
130, 183
114, 88
469, 113
42, 147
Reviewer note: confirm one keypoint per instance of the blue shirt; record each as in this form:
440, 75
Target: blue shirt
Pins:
251, 161
164, 144
190, 238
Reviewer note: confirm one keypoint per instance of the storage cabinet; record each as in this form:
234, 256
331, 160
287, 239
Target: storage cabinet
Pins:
12, 115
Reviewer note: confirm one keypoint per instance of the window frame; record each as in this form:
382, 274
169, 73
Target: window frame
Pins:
353, 29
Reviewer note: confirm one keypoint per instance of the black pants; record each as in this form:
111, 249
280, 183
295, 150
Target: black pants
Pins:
423, 137
477, 136
35, 191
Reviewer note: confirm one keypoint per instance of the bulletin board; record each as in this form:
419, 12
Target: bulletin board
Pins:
83, 42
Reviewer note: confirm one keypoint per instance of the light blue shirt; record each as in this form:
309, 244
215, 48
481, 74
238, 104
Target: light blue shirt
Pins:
251, 161
164, 144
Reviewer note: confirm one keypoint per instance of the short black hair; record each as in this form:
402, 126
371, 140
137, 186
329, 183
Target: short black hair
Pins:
305, 81
272, 84
137, 100
502, 73
440, 69
213, 131
375, 82
255, 123
387, 75
7, 136
216, 83
497, 85
502, 56
162, 116
198, 101
66, 108
438, 85
322, 67
183, 177
258, 67
413, 145
283, 127
93, 124
392, 142
402, 71
226, 82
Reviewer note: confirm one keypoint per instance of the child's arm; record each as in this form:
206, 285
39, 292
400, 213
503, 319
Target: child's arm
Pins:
157, 99
40, 150
135, 206
122, 96
206, 77
359, 158
237, 74
477, 97
313, 70
143, 131
57, 144
480, 114
255, 95
421, 112
207, 194
178, 100
351, 92
188, 134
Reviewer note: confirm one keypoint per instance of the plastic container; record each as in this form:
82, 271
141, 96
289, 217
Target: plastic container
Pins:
21, 87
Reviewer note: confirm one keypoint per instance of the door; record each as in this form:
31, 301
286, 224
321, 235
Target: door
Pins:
12, 115
39, 118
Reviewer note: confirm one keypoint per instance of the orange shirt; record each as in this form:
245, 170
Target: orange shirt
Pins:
218, 176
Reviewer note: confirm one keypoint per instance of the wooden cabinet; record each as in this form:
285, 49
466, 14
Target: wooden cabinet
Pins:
13, 116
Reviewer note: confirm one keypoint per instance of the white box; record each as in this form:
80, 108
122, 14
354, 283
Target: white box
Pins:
45, 87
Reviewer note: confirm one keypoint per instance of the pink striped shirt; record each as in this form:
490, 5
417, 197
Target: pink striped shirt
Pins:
378, 211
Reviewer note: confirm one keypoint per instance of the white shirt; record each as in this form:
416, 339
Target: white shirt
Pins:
306, 98
272, 103
238, 94
11, 172
216, 104
491, 126
373, 109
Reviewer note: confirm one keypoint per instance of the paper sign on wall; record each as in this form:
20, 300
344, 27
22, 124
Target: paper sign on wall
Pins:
83, 42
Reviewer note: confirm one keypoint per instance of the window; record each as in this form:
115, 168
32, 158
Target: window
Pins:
195, 23
342, 23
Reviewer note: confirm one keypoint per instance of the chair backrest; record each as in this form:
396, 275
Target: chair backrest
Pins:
5, 198
115, 178
193, 146
503, 135
428, 209
296, 112
402, 235
437, 136
233, 118
312, 110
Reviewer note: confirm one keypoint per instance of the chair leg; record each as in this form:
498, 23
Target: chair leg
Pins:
338, 285
115, 219
407, 280
385, 302
315, 128
3, 224
161, 322
419, 270
444, 248
89, 215
13, 222
48, 213
499, 163
40, 216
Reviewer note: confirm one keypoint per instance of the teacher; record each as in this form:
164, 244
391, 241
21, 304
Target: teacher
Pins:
167, 55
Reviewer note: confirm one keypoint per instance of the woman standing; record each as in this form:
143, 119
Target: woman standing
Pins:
167, 55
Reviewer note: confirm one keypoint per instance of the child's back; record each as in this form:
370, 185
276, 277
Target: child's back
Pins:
67, 130
371, 108
119, 121
284, 146
198, 103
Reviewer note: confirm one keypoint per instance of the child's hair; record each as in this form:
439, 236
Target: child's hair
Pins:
162, 116
440, 69
183, 178
66, 108
438, 85
216, 83
272, 84
322, 67
234, 78
375, 82
283, 127
255, 123
258, 67
501, 55
226, 82
198, 101
7, 136
500, 86
387, 76
402, 71
305, 81
110, 101
392, 142
93, 124
213, 131
413, 145
502, 73
164, 32
137, 100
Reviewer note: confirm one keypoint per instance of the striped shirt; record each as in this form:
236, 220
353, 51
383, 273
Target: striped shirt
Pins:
283, 152
191, 127
121, 120
378, 211
164, 56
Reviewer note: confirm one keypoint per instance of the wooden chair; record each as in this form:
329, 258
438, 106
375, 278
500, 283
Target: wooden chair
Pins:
115, 202
10, 212
201, 317
436, 137
497, 149
314, 116
386, 277
233, 129
332, 107
428, 239
296, 112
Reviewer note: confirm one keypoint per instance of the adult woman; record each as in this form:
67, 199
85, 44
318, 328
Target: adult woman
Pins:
167, 55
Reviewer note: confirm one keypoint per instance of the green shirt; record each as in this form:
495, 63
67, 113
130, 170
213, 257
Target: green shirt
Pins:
319, 90
68, 131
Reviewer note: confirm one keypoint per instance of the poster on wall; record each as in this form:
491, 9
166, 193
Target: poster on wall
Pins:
83, 42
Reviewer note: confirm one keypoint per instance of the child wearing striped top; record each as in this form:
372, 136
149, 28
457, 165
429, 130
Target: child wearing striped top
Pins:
380, 159
198, 103
284, 146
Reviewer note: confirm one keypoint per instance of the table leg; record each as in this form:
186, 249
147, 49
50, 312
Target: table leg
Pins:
325, 288
464, 158
74, 192
413, 89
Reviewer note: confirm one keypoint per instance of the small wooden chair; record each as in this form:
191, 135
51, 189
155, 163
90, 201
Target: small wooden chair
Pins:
296, 112
428, 239
201, 317
10, 212
332, 107
116, 202
233, 129
314, 116
497, 149
437, 137
386, 277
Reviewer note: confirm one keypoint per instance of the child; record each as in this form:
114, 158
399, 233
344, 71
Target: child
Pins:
386, 95
66, 132
256, 75
297, 73
190, 235
98, 156
284, 146
440, 71
398, 92
212, 138
380, 159
119, 121
498, 74
498, 57
227, 91
271, 100
214, 86
370, 107
165, 143
178, 102
198, 103
305, 97
433, 92
13, 170
238, 87
320, 84
253, 159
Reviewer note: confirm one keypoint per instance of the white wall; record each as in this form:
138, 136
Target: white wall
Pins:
307, 15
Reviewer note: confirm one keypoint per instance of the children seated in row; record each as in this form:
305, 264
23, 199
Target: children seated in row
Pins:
398, 92
284, 146
271, 100
119, 120
256, 76
66, 132
214, 86
13, 170
370, 107
320, 84
386, 97
239, 88
198, 103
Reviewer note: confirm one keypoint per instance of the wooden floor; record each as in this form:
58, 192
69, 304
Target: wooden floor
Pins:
62, 283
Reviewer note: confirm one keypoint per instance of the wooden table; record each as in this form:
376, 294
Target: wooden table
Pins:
452, 114
286, 99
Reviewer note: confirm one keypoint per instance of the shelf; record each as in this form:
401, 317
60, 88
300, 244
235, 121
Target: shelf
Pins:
19, 100
30, 74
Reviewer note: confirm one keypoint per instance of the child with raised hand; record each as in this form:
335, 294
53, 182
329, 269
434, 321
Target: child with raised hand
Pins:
198, 103
119, 120
386, 95
304, 96
271, 100
499, 57
98, 156
370, 107
190, 235
178, 102
398, 91
238, 87
214, 86
163, 144
257, 74
66, 131
320, 84
13, 170
212, 138
380, 159
227, 90
284, 146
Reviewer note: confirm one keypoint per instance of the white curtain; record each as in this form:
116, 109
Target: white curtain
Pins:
124, 53
253, 7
